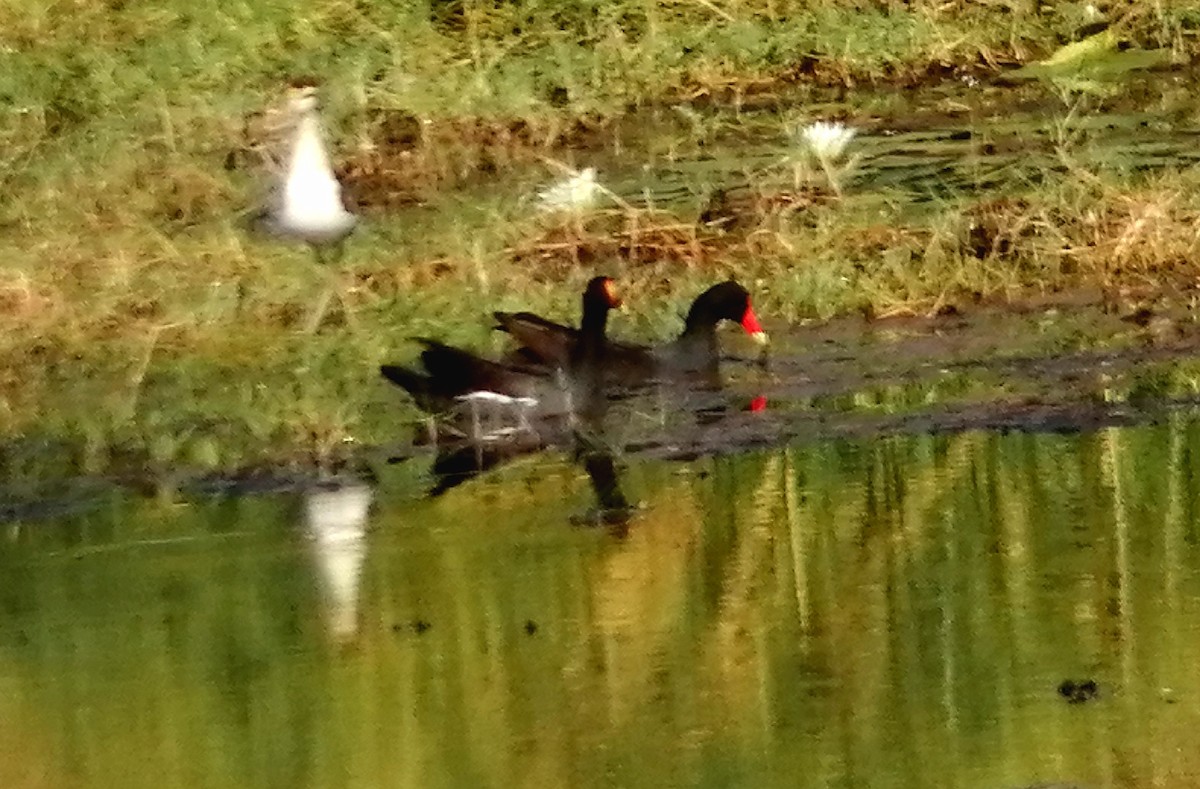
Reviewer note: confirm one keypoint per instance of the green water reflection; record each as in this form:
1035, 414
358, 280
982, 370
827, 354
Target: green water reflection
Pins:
895, 612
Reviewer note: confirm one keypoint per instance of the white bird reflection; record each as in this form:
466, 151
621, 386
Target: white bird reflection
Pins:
336, 522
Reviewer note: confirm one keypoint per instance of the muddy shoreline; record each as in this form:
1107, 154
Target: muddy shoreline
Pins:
1025, 367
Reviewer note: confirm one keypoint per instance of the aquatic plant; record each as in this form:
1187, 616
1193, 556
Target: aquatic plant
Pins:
826, 142
575, 194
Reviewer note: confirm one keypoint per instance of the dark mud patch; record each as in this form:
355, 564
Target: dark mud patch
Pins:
410, 159
76, 496
743, 431
1071, 362
1068, 332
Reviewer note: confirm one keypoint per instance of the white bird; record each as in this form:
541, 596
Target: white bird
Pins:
307, 205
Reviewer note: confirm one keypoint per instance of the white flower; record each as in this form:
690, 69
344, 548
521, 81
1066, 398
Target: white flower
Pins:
827, 141
576, 193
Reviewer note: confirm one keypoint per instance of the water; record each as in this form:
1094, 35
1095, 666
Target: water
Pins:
891, 611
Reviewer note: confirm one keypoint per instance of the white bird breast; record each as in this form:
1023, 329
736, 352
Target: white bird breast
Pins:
312, 200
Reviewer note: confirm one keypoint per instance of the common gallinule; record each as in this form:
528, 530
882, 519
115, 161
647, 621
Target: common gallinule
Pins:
694, 351
453, 376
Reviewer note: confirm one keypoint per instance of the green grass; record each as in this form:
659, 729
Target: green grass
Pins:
141, 327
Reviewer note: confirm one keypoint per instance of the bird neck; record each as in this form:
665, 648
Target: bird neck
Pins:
594, 321
700, 329
592, 328
308, 147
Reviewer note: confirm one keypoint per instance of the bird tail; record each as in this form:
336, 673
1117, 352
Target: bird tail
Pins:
418, 385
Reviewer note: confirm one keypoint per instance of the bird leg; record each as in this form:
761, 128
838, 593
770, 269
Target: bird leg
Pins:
523, 418
325, 265
318, 312
560, 378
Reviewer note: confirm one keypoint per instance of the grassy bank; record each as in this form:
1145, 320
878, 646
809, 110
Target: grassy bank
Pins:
141, 327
